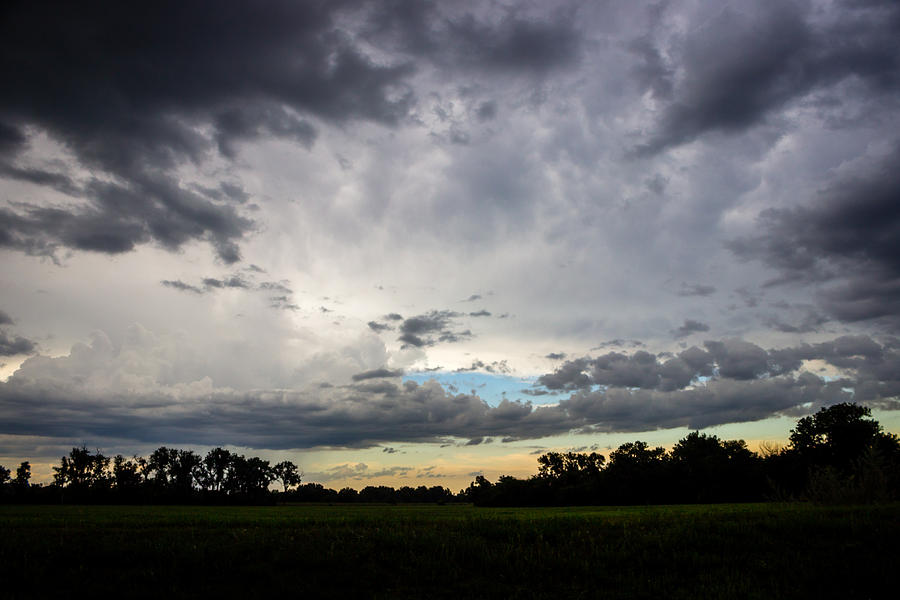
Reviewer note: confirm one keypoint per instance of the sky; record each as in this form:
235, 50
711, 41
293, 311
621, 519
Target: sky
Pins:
404, 242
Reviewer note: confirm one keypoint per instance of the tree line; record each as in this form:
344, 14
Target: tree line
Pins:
839, 454
170, 476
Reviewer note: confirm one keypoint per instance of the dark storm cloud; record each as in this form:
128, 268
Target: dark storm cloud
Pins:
57, 181
13, 345
393, 317
428, 323
431, 328
5, 319
377, 374
514, 44
133, 92
451, 36
377, 327
724, 401
126, 89
117, 217
811, 320
745, 63
873, 369
556, 356
570, 376
690, 327
847, 241
480, 313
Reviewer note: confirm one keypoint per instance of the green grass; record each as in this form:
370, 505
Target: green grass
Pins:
408, 551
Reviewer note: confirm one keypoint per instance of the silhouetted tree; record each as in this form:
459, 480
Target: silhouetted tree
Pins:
569, 468
248, 476
637, 475
841, 454
348, 494
185, 471
82, 470
4, 475
23, 475
287, 473
216, 466
836, 435
706, 469
127, 474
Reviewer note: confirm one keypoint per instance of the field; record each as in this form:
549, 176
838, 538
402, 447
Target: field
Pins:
409, 551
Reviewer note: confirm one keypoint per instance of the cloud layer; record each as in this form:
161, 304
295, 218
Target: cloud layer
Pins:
666, 214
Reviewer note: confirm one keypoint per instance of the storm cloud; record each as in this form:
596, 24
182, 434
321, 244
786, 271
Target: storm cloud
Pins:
291, 199
744, 64
846, 243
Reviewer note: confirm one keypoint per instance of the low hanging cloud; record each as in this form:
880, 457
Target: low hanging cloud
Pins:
105, 392
731, 359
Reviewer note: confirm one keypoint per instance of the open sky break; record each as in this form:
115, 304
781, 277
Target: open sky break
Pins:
396, 240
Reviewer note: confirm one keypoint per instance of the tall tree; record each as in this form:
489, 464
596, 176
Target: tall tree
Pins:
127, 473
216, 466
836, 435
287, 473
23, 474
82, 469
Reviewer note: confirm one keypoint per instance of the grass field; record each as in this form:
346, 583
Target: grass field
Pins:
409, 551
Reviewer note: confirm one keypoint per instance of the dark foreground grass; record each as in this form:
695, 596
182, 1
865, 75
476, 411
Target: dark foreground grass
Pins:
721, 551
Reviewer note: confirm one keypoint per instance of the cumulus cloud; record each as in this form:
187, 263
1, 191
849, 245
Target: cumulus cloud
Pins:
729, 359
145, 401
